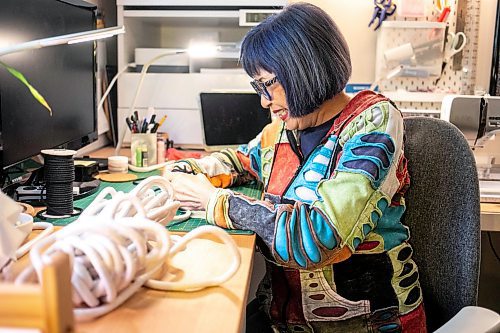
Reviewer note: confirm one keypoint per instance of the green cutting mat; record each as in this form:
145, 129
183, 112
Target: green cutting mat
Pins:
252, 190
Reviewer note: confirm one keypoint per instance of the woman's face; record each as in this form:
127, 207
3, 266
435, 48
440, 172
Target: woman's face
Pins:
278, 105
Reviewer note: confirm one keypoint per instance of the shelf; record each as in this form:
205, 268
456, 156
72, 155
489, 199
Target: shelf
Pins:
201, 3
182, 13
405, 96
420, 111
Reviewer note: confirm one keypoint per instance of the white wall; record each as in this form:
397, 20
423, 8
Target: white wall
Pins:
352, 17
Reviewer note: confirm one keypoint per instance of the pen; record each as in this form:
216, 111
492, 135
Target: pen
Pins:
162, 120
144, 126
155, 128
129, 123
152, 120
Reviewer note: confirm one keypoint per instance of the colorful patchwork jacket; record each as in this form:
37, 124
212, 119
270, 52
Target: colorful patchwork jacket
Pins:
339, 258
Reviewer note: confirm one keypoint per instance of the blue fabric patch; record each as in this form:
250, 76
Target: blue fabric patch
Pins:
382, 138
281, 242
323, 230
375, 217
391, 229
366, 229
309, 165
366, 166
356, 241
256, 162
382, 204
368, 154
372, 151
388, 328
294, 234
310, 246
243, 149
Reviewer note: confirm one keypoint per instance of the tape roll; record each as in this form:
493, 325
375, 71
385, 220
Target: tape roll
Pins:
118, 164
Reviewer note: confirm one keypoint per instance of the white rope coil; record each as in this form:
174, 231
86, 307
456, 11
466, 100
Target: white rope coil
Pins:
112, 256
158, 204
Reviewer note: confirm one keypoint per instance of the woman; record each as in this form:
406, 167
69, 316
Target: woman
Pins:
335, 176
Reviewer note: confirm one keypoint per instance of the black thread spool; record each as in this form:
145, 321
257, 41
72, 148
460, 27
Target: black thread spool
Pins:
59, 176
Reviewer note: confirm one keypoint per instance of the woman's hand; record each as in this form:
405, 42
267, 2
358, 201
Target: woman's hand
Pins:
193, 191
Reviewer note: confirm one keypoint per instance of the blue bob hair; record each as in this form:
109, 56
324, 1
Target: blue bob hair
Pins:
306, 51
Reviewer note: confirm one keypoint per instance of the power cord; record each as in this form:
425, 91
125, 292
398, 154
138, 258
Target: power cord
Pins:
492, 247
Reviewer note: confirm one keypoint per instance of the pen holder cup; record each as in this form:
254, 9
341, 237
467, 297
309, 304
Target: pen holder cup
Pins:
143, 149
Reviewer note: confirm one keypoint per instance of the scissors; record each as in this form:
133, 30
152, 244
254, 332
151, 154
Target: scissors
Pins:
455, 43
383, 8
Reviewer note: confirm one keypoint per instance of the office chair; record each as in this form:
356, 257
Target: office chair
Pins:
443, 214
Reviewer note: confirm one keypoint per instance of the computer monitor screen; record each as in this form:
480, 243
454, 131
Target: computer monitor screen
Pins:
64, 75
231, 119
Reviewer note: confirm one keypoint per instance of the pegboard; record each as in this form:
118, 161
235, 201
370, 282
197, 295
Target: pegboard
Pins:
451, 82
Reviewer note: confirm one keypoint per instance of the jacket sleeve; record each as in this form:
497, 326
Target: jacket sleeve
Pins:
348, 205
228, 167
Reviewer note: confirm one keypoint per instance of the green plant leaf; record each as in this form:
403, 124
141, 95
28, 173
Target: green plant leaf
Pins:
33, 91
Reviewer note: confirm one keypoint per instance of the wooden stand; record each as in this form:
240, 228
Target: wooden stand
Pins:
47, 307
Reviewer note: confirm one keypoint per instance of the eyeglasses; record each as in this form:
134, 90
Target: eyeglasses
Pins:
261, 87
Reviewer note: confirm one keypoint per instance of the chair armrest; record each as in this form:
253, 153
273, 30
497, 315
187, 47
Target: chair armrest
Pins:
472, 319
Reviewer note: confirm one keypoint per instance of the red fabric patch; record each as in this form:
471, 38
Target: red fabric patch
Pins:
330, 311
287, 296
175, 154
357, 105
285, 165
404, 180
367, 245
414, 322
317, 297
245, 161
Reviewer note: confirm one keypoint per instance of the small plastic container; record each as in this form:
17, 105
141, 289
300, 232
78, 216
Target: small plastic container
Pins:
409, 49
143, 149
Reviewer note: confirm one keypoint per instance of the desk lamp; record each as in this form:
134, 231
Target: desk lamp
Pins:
73, 38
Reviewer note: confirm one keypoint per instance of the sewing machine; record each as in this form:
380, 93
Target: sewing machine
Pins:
478, 117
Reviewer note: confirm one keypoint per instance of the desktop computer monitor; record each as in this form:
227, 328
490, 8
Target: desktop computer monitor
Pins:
230, 119
64, 75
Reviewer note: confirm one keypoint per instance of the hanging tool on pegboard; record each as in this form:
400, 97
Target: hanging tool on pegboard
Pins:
382, 10
461, 8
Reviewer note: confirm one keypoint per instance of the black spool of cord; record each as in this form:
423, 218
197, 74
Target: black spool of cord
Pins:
59, 177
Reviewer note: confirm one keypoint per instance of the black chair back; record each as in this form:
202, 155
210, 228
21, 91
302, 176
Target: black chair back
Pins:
443, 214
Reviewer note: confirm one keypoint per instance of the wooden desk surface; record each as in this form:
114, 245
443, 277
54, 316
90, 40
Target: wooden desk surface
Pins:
490, 217
215, 309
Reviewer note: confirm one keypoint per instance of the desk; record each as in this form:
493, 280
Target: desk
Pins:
490, 205
490, 216
216, 309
